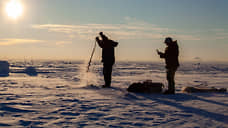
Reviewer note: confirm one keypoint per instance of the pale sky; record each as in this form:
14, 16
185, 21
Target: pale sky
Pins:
66, 29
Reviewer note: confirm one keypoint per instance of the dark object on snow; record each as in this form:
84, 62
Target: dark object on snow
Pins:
168, 92
4, 68
31, 71
146, 87
203, 89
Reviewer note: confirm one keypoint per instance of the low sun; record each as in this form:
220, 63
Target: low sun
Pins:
14, 9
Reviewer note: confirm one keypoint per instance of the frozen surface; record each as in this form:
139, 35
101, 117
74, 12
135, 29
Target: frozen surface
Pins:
62, 98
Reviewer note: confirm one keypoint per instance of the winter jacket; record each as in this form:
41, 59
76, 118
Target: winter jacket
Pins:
108, 52
171, 55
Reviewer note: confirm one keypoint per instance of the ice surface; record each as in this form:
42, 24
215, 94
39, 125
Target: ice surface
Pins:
62, 98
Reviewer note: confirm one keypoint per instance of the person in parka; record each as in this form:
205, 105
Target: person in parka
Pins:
108, 57
170, 55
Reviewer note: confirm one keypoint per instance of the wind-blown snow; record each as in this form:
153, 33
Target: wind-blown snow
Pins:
62, 98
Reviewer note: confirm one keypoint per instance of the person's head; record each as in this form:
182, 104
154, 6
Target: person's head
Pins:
101, 33
103, 36
168, 40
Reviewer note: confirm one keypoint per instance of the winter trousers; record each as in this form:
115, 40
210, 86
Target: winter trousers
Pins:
107, 72
170, 75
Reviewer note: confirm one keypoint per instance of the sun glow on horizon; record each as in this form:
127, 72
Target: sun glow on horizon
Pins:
14, 9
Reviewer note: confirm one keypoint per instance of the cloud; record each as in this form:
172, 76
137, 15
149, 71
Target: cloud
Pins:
221, 35
15, 41
62, 43
215, 34
131, 29
188, 37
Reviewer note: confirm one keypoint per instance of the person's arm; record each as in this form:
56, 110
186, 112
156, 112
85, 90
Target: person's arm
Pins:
161, 54
114, 44
100, 43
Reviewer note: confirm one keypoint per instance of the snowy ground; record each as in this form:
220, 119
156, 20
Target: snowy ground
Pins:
62, 99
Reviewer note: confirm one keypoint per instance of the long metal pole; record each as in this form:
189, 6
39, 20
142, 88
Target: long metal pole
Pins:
90, 60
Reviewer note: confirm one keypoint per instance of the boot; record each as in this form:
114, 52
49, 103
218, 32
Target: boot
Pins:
168, 92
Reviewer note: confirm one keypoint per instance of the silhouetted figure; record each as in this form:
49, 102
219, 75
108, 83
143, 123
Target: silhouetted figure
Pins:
108, 57
172, 63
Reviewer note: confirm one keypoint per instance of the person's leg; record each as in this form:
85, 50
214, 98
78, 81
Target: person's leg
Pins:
109, 75
170, 79
107, 72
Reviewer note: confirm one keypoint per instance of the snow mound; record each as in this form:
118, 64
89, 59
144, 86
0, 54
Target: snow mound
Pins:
31, 71
4, 68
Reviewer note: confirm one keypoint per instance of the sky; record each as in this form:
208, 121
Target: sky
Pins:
66, 29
